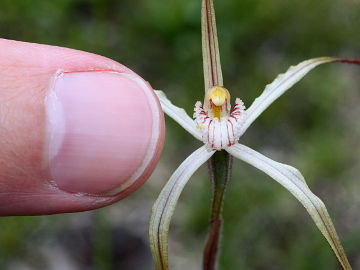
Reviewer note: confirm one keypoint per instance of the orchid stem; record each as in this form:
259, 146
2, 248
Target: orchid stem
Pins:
220, 173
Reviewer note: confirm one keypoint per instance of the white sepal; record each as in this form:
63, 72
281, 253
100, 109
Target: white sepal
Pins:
164, 206
179, 115
293, 181
210, 46
279, 86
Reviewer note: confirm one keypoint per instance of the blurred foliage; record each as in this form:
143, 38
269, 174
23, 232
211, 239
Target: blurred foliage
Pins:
313, 127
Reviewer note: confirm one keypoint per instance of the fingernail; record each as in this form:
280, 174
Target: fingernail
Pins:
103, 128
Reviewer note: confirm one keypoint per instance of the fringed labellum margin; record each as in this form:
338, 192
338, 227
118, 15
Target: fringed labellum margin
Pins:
220, 129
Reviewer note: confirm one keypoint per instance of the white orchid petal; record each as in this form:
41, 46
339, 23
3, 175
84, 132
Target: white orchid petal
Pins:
164, 206
279, 86
179, 115
294, 182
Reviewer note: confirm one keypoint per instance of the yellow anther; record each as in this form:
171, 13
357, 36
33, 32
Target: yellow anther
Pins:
218, 95
217, 101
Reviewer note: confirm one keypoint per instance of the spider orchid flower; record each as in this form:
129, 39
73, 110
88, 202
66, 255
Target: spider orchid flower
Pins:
220, 128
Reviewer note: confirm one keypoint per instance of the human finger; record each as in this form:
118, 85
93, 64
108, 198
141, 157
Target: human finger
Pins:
77, 131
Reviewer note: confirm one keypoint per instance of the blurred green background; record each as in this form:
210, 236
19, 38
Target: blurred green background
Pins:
314, 127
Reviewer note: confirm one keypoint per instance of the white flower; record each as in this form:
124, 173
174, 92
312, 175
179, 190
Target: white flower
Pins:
219, 129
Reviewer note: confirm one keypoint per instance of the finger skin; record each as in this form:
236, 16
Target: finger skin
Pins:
26, 73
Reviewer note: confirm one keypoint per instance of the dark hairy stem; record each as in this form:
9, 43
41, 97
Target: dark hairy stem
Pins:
220, 173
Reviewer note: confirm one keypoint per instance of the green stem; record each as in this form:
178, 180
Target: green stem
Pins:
220, 173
